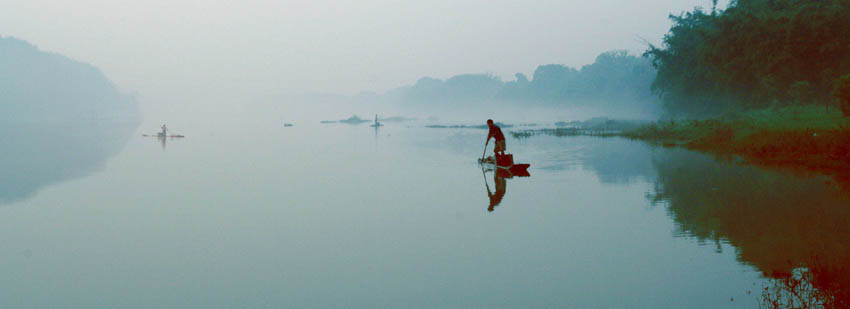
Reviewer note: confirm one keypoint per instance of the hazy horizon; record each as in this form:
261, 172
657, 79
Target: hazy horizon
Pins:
173, 51
205, 154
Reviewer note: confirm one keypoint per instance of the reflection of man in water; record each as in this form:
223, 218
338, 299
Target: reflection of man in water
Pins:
501, 186
161, 141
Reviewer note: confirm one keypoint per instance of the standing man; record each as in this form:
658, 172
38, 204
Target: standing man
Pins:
496, 133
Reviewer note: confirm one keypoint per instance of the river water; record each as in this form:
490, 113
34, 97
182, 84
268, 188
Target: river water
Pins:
336, 215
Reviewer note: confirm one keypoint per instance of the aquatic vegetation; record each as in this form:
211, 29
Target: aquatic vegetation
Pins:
601, 127
462, 126
811, 137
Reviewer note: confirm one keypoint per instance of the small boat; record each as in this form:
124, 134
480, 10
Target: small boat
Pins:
163, 135
506, 165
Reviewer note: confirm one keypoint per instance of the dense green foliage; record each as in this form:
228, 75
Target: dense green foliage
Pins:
756, 53
615, 81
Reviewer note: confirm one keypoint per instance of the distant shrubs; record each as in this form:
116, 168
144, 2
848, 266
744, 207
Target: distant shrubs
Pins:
617, 81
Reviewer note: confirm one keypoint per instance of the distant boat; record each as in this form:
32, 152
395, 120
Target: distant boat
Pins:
287, 124
377, 124
160, 135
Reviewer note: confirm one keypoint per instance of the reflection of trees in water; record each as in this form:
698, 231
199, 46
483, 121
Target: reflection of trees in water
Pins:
613, 160
811, 287
618, 160
35, 156
778, 222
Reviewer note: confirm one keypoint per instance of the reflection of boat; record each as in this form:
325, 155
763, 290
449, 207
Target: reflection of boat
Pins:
506, 169
506, 166
162, 137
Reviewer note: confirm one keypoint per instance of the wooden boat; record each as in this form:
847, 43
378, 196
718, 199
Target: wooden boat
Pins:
506, 166
163, 135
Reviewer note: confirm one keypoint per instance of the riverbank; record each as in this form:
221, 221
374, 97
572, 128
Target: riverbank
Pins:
813, 138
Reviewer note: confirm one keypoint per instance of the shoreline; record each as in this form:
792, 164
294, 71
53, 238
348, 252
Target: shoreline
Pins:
811, 138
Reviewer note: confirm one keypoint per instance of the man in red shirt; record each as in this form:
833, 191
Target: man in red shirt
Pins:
496, 133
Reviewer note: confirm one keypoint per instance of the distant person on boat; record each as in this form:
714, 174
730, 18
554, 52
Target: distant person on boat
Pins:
164, 130
496, 133
501, 188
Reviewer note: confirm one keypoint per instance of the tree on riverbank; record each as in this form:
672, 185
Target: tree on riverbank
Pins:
755, 54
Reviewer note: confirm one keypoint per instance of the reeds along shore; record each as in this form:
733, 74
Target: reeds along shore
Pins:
813, 137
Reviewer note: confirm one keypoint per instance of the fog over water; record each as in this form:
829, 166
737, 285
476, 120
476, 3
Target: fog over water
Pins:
214, 55
263, 193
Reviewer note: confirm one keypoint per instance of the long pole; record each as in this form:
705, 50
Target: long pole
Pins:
485, 150
484, 173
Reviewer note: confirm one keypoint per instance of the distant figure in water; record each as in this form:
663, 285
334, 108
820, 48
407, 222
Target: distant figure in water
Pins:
496, 132
164, 130
377, 124
501, 188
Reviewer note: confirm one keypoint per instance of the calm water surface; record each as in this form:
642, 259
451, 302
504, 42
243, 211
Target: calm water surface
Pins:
257, 215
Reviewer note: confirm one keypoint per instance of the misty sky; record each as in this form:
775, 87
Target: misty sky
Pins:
190, 48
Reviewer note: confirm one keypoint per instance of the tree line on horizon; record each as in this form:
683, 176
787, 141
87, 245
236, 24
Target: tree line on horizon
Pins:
616, 80
755, 54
